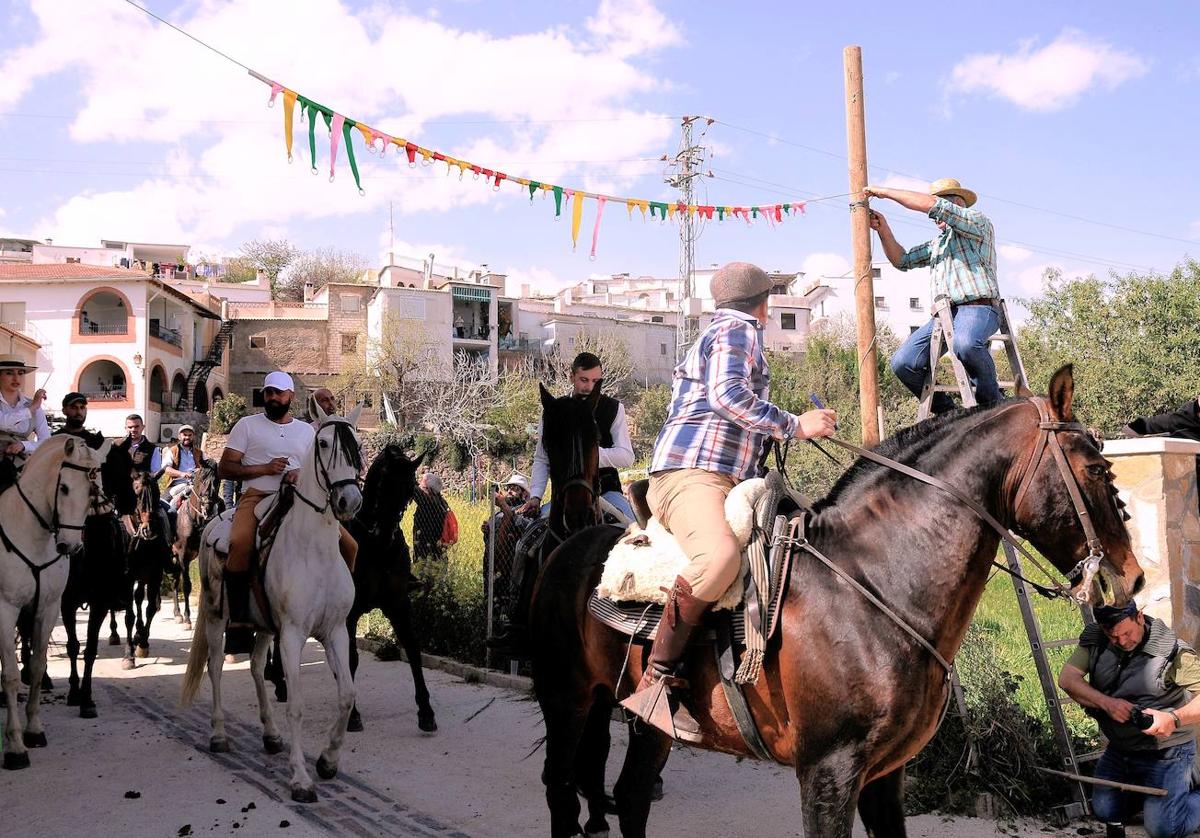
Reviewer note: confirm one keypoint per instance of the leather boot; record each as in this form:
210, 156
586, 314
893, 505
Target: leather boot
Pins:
658, 698
237, 592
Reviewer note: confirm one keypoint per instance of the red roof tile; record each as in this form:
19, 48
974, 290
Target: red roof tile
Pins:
23, 270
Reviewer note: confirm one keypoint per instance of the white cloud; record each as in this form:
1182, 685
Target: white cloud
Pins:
396, 69
1013, 252
824, 264
539, 280
1049, 78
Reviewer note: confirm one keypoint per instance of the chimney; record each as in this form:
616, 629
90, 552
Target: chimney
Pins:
309, 289
49, 242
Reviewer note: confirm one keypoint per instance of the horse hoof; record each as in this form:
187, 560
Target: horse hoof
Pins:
218, 745
273, 744
427, 725
326, 770
33, 740
177, 617
187, 624
127, 663
47, 684
656, 790
354, 725
281, 693
303, 795
88, 711
142, 652
114, 640
596, 830
15, 762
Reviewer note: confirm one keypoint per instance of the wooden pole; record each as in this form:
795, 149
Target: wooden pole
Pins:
860, 238
1112, 784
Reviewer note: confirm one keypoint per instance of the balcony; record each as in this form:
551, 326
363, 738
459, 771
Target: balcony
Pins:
520, 345
91, 327
171, 336
472, 332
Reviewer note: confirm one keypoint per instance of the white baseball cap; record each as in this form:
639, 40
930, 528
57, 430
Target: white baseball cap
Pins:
280, 381
518, 479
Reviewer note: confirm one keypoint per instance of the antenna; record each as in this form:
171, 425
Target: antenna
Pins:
391, 237
683, 168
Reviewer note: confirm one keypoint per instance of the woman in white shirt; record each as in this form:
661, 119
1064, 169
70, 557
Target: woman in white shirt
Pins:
20, 418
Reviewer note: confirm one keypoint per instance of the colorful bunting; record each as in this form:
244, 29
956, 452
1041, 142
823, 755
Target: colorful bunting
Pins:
340, 133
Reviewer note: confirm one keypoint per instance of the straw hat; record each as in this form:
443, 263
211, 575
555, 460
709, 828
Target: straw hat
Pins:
14, 362
950, 186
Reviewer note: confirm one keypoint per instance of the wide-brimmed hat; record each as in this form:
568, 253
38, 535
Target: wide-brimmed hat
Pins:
517, 479
950, 186
15, 362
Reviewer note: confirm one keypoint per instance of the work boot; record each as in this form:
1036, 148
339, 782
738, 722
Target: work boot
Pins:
658, 698
237, 592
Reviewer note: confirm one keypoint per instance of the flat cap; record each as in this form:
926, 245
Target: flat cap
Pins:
738, 281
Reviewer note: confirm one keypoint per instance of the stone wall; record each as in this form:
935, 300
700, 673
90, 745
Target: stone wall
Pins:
1157, 479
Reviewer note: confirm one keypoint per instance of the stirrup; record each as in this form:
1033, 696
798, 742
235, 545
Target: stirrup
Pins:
656, 705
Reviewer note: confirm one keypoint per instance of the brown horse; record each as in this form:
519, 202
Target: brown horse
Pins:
202, 503
846, 697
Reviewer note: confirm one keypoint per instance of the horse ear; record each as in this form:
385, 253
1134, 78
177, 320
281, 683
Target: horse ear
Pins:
420, 458
102, 451
1023, 392
322, 416
547, 399
354, 414
594, 396
1062, 393
69, 448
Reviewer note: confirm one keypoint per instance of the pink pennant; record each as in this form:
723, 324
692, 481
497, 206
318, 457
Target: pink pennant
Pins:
800, 206
276, 89
600, 201
338, 122
778, 212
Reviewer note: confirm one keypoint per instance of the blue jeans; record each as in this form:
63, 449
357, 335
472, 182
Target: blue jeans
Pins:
1173, 816
617, 499
973, 326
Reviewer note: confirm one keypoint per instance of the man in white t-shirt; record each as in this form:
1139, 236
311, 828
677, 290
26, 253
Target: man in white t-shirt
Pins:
263, 450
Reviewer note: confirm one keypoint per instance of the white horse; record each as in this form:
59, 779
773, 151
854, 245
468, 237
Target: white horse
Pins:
311, 592
41, 522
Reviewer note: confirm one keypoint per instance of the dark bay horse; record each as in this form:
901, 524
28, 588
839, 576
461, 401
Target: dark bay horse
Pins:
149, 558
202, 504
846, 697
382, 573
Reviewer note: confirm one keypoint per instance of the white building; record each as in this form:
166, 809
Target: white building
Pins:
902, 299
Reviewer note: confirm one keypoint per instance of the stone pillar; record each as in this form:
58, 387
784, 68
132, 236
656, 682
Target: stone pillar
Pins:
1157, 480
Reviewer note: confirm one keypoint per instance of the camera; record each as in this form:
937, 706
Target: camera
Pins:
1140, 719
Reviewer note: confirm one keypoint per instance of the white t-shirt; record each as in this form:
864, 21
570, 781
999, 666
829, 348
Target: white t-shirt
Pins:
260, 440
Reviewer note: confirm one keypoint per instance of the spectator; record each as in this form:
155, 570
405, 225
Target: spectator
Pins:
429, 520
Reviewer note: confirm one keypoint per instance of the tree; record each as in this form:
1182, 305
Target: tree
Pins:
319, 267
391, 365
271, 255
647, 413
1134, 341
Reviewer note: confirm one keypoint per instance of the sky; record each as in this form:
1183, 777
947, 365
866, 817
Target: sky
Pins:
1075, 122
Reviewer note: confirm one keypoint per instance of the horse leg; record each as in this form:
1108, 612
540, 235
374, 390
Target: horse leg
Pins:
354, 725
566, 716
881, 806
214, 632
272, 741
153, 600
144, 598
400, 616
114, 636
829, 789
274, 672
186, 575
68, 621
176, 581
135, 604
15, 755
648, 751
34, 735
337, 655
590, 760
291, 645
87, 707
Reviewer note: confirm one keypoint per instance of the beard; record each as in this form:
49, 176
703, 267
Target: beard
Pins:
275, 410
74, 424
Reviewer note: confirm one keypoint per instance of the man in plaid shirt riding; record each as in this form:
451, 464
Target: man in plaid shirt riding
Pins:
962, 269
718, 423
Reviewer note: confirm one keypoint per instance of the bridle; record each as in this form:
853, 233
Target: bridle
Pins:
201, 504
576, 466
343, 438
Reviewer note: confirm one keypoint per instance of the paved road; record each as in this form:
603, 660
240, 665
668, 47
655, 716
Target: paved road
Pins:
143, 769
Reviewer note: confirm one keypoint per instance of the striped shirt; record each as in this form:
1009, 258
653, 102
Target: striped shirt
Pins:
719, 417
962, 259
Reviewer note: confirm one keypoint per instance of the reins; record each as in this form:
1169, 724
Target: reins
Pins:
343, 438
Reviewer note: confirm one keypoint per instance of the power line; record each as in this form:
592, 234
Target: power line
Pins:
439, 122
207, 46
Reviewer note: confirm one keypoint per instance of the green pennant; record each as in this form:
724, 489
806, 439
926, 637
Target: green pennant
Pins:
786, 208
533, 188
311, 111
346, 126
662, 209
557, 201
721, 213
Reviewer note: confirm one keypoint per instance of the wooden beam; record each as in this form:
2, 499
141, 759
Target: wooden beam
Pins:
1112, 784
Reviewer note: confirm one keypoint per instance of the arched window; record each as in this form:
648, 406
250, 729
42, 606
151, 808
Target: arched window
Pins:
178, 386
103, 316
158, 385
105, 383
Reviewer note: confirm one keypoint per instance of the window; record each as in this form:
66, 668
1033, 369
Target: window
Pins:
656, 318
880, 302
914, 303
662, 349
411, 308
787, 321
350, 302
912, 330
349, 343
256, 398
13, 315
258, 341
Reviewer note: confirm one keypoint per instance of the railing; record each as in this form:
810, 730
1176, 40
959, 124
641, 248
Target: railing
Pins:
467, 333
91, 327
170, 336
519, 345
106, 394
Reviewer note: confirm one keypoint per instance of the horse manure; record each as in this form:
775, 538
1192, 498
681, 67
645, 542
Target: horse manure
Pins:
132, 795
185, 830
248, 807
284, 824
221, 801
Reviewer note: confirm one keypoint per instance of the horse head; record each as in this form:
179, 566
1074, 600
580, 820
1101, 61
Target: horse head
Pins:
337, 460
66, 479
388, 489
1066, 504
571, 440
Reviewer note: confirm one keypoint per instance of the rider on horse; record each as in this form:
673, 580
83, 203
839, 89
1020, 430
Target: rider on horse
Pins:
141, 449
20, 417
718, 422
263, 451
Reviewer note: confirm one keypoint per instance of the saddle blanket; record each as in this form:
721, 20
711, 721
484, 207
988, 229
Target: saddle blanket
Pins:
644, 561
219, 529
640, 620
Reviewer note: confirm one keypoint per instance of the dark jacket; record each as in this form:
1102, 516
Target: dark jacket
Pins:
1184, 423
429, 517
145, 448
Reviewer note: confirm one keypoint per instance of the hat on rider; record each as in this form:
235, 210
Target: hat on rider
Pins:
1109, 615
15, 362
517, 479
71, 398
279, 381
738, 281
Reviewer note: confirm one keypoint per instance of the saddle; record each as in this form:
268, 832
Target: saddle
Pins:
270, 512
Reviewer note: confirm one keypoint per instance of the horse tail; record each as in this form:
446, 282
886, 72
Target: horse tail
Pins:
197, 658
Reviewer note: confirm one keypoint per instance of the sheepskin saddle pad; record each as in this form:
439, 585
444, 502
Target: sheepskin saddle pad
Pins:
219, 530
645, 561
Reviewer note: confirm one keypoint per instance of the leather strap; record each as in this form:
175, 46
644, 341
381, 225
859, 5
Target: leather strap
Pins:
734, 696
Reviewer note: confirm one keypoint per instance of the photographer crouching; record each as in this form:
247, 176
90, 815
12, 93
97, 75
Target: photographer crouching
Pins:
1139, 681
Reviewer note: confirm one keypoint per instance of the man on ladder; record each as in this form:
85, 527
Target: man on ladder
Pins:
962, 270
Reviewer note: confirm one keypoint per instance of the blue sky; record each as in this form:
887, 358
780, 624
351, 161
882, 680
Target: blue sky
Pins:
113, 125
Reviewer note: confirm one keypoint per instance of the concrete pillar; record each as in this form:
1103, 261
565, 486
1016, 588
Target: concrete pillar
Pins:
1157, 480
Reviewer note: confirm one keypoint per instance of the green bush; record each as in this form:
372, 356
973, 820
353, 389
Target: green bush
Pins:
225, 413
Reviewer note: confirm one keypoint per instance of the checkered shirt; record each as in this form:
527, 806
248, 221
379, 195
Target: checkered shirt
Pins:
962, 259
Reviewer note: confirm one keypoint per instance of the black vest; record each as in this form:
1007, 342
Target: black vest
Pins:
606, 414
1139, 677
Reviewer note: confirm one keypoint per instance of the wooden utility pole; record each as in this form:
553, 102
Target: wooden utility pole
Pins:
860, 237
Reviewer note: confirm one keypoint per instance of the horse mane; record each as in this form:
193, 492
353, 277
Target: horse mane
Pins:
384, 505
905, 446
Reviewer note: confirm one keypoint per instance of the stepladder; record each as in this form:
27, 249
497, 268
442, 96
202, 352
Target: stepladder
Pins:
941, 343
942, 340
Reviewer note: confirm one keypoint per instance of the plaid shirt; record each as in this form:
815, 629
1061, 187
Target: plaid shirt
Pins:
962, 259
720, 417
